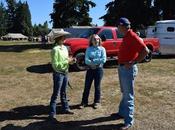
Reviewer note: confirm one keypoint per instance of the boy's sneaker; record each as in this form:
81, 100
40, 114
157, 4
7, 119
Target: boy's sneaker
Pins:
96, 105
82, 105
52, 119
68, 112
125, 127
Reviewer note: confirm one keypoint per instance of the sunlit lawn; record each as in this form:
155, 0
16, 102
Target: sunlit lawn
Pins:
26, 87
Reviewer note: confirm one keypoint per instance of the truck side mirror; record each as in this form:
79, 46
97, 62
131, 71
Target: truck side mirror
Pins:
103, 38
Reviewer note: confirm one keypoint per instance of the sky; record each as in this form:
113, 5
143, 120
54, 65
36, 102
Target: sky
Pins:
40, 10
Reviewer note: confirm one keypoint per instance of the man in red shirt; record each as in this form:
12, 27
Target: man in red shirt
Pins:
131, 51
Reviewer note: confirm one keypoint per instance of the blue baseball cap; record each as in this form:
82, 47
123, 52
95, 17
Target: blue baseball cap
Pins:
124, 21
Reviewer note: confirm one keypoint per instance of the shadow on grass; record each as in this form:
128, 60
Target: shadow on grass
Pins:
44, 68
40, 113
21, 48
30, 112
47, 68
164, 57
45, 125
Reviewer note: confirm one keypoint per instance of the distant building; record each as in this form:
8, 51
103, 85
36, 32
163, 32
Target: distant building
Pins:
14, 36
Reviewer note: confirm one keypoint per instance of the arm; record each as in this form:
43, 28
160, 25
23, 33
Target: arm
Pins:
142, 51
102, 59
142, 54
88, 61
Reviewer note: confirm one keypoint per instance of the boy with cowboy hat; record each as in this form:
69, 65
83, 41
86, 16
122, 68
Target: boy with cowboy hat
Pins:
60, 62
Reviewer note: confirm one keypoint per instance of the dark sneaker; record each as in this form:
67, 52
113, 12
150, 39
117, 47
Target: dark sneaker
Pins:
68, 112
52, 119
96, 105
117, 116
83, 106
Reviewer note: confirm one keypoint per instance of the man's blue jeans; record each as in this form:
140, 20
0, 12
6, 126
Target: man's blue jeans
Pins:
126, 79
60, 82
96, 75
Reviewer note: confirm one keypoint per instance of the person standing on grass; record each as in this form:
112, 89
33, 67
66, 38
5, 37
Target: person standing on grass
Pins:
95, 57
60, 62
132, 50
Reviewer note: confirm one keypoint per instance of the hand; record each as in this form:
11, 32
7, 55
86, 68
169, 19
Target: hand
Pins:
128, 65
72, 60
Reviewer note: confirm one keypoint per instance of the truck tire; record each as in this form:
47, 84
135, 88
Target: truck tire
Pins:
148, 57
80, 63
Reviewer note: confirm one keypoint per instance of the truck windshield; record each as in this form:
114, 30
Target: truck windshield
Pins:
89, 32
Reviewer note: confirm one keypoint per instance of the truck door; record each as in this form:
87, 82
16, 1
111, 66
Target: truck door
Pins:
109, 43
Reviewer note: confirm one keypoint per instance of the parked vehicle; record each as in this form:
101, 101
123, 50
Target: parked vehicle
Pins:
165, 31
111, 42
150, 31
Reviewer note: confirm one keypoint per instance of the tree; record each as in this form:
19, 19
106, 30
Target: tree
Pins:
165, 9
28, 22
71, 12
23, 19
19, 21
3, 20
11, 8
40, 30
140, 12
19, 17
85, 19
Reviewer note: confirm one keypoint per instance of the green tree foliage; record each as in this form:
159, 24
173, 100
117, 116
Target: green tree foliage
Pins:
165, 9
23, 19
85, 19
71, 12
40, 30
19, 17
11, 11
138, 11
3, 20
28, 24
16, 18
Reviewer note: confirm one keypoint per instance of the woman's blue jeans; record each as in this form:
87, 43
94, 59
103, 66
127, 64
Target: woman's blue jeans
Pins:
96, 75
60, 82
126, 79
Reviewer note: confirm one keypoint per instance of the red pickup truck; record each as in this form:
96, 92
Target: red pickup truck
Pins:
111, 42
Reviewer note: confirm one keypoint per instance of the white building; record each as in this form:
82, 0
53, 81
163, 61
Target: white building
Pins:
14, 36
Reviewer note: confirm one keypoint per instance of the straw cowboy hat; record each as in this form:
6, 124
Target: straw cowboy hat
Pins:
57, 32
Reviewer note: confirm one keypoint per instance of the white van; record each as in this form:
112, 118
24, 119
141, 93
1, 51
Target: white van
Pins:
165, 31
150, 32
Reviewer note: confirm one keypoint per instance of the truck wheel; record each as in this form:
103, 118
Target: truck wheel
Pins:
148, 57
80, 64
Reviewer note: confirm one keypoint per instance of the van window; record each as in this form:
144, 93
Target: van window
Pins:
170, 29
155, 30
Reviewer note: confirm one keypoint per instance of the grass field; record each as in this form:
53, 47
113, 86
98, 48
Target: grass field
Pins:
26, 87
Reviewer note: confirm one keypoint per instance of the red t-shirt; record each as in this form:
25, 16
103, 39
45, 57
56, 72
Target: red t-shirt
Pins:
130, 47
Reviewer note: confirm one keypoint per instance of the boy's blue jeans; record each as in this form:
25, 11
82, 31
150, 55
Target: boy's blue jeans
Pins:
60, 82
126, 79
